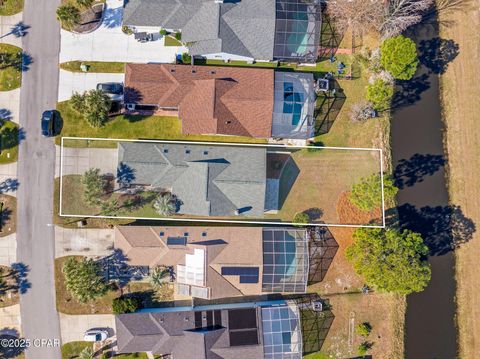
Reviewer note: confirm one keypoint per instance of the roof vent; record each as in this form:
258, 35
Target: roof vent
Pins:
204, 234
172, 69
186, 319
185, 234
205, 153
228, 122
187, 151
194, 71
212, 72
165, 150
162, 234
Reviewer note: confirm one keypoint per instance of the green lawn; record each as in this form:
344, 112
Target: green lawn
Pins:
11, 73
171, 41
10, 7
73, 349
94, 66
134, 127
9, 142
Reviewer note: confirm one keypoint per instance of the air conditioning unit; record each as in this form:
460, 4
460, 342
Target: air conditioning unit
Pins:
130, 106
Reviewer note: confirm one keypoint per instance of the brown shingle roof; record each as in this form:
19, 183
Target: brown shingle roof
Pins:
211, 99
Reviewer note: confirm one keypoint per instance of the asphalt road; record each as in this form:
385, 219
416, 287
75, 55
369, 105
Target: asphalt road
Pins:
36, 165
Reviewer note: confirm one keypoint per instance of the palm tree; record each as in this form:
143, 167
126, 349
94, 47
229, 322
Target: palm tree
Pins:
86, 353
156, 276
165, 204
85, 4
68, 15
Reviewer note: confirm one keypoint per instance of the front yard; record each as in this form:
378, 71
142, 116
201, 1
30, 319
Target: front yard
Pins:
11, 70
9, 140
134, 127
10, 7
67, 304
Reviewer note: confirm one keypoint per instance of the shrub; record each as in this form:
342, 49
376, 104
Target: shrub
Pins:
127, 30
77, 101
399, 57
364, 347
85, 4
83, 279
68, 15
367, 194
123, 305
301, 218
379, 93
390, 259
86, 353
186, 58
163, 32
97, 105
178, 36
364, 329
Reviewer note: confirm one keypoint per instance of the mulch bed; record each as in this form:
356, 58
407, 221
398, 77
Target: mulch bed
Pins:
90, 19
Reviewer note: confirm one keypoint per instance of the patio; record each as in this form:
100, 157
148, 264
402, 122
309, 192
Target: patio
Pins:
109, 43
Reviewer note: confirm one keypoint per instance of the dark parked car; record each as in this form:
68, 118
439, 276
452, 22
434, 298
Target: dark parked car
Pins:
49, 123
114, 90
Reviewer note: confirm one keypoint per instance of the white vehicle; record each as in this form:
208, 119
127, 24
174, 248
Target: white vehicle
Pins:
95, 335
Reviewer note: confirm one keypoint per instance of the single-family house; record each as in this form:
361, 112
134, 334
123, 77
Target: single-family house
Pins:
218, 100
285, 30
253, 330
221, 262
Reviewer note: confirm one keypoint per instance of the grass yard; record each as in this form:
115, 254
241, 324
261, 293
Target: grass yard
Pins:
323, 177
8, 215
94, 66
171, 41
134, 127
9, 137
462, 143
73, 349
10, 7
11, 73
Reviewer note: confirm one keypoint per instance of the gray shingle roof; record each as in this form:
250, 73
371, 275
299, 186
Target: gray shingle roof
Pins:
209, 180
245, 28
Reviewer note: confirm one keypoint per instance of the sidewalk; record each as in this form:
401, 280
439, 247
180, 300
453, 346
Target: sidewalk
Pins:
9, 26
10, 319
8, 249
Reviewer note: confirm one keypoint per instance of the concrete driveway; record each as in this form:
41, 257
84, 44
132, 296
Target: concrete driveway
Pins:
79, 160
109, 43
10, 29
10, 320
8, 249
80, 82
82, 241
73, 327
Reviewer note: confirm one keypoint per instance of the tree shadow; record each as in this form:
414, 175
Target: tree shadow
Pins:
314, 213
443, 228
14, 351
9, 185
437, 53
5, 115
20, 273
125, 175
19, 29
322, 250
409, 92
112, 17
5, 215
414, 170
327, 107
116, 268
132, 95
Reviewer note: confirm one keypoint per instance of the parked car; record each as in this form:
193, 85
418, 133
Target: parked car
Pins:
49, 123
95, 335
114, 90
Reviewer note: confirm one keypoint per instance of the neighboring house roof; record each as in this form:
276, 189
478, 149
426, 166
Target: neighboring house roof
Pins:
245, 28
210, 99
208, 180
214, 332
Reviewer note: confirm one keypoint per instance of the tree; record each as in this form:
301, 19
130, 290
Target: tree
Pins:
163, 32
178, 36
367, 194
379, 93
109, 208
68, 15
123, 305
165, 204
186, 58
392, 260
157, 275
83, 279
364, 329
401, 14
93, 186
86, 353
97, 105
399, 57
